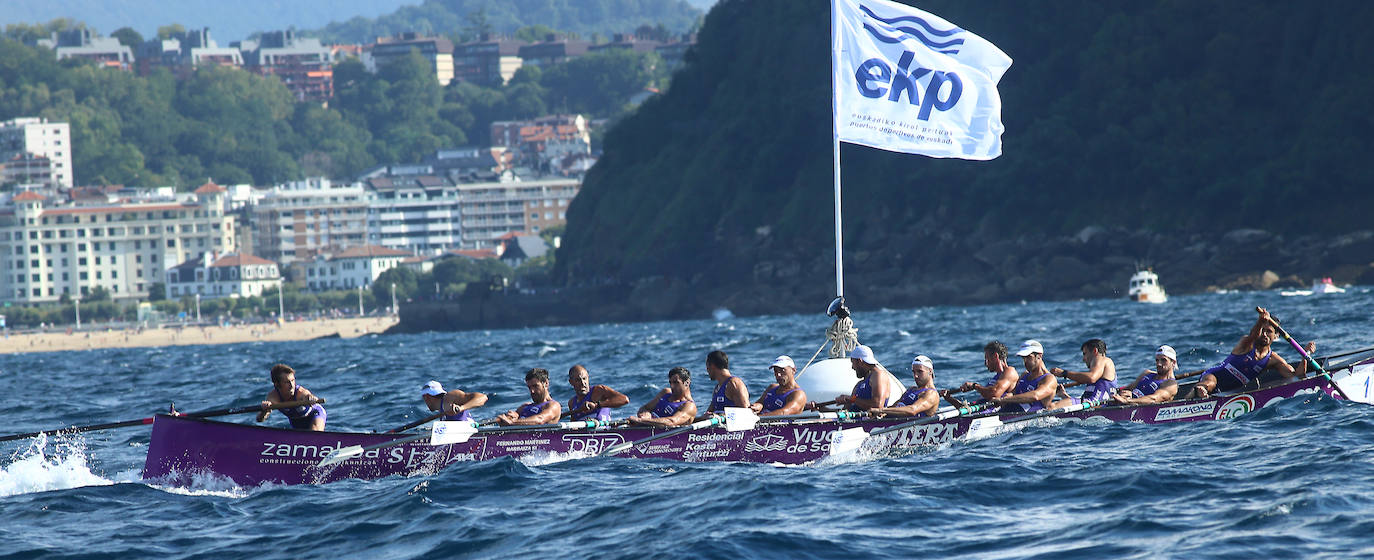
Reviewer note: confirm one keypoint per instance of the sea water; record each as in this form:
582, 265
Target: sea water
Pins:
1292, 480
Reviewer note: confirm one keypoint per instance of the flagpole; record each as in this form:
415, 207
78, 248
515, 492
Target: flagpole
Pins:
835, 138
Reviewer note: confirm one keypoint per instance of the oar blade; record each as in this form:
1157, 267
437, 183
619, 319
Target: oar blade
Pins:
444, 433
739, 419
340, 455
848, 440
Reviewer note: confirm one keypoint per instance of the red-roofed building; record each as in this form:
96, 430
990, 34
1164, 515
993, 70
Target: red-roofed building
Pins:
232, 275
210, 188
352, 268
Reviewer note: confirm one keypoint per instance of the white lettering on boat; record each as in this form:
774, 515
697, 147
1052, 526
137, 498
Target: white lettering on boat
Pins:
1185, 411
591, 443
928, 434
302, 451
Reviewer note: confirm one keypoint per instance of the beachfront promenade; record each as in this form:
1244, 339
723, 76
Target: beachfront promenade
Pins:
173, 336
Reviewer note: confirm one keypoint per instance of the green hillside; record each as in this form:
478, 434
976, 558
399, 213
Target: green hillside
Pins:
464, 18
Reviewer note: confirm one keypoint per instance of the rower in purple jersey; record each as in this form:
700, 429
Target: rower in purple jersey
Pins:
542, 408
455, 404
591, 402
1099, 380
871, 390
1004, 375
1034, 391
284, 389
1251, 357
920, 399
730, 390
785, 396
670, 407
1154, 386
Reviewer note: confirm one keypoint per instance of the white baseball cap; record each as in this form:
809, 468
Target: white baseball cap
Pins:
433, 389
783, 361
864, 354
1030, 347
1167, 351
923, 360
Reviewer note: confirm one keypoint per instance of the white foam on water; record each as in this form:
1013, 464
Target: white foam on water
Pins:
540, 458
38, 469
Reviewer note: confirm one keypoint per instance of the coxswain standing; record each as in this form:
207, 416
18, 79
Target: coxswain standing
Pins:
284, 389
785, 396
672, 406
542, 409
1251, 357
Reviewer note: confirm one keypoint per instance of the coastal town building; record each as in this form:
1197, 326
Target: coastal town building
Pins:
352, 268
293, 222
86, 45
491, 60
490, 210
413, 211
552, 50
184, 52
517, 247
436, 50
212, 276
302, 63
553, 144
36, 152
48, 249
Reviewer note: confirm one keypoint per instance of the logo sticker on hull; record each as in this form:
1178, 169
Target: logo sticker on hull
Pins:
1237, 406
770, 442
1185, 411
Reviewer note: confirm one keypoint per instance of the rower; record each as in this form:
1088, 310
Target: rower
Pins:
920, 399
1033, 391
1251, 357
592, 402
672, 406
284, 389
1100, 378
785, 396
1154, 386
871, 390
730, 390
1004, 375
455, 404
542, 409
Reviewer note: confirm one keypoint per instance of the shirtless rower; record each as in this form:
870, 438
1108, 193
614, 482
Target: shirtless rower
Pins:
871, 390
1034, 390
1154, 386
455, 404
730, 390
592, 402
1251, 357
920, 399
542, 408
672, 406
785, 396
1004, 375
284, 389
1099, 380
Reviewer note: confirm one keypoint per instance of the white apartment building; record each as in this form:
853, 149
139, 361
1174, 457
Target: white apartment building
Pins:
296, 221
417, 215
352, 268
24, 145
47, 250
490, 210
212, 276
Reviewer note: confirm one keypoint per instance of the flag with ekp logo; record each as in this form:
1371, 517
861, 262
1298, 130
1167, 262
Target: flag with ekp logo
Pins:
908, 81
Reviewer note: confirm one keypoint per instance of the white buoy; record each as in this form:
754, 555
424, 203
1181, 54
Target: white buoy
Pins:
827, 379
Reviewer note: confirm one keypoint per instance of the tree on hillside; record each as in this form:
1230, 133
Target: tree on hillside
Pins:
128, 37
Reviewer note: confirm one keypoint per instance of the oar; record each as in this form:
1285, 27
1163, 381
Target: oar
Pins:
850, 439
421, 421
739, 418
1311, 363
149, 420
1344, 354
444, 433
619, 447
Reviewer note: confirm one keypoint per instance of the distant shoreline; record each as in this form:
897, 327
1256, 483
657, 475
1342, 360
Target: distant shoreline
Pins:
24, 343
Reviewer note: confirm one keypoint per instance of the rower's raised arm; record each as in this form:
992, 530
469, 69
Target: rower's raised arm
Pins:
607, 397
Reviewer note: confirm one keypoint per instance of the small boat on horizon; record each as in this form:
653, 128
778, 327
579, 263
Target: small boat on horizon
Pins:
1145, 287
1319, 286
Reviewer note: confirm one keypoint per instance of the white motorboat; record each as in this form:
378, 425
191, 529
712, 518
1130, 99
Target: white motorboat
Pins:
1145, 288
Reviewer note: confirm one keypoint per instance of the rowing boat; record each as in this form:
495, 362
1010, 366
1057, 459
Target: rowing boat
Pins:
184, 448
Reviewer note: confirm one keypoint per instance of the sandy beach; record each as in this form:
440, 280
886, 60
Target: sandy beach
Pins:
174, 336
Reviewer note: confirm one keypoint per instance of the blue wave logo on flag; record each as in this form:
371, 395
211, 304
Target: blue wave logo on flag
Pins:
896, 32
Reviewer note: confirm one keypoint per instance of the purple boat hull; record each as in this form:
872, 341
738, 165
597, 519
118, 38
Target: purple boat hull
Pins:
182, 448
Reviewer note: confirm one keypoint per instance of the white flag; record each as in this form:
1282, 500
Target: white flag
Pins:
908, 81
